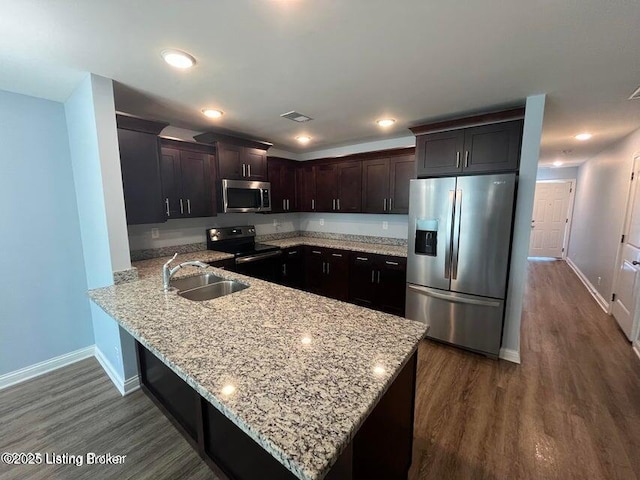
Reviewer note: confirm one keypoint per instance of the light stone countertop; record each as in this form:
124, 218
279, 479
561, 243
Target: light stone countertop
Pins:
373, 248
301, 400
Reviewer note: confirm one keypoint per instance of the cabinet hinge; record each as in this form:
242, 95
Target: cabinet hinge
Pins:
613, 297
622, 239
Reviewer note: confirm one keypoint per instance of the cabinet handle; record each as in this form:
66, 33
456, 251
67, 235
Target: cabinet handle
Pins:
189, 206
181, 208
313, 204
390, 203
324, 268
284, 204
373, 278
284, 268
384, 205
378, 276
327, 268
288, 206
391, 263
364, 259
166, 202
336, 255
249, 170
333, 204
338, 204
293, 252
316, 252
457, 159
466, 159
244, 170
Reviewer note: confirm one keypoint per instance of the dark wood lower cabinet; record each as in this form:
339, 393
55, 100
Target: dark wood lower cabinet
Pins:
327, 272
292, 273
378, 282
381, 448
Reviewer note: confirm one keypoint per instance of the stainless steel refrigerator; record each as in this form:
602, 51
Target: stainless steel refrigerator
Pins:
459, 250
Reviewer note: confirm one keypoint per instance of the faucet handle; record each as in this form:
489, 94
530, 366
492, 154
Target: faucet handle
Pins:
172, 259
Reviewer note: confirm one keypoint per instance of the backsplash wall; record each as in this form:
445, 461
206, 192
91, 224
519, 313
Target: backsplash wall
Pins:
355, 224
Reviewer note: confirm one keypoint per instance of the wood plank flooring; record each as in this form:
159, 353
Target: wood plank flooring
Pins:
572, 410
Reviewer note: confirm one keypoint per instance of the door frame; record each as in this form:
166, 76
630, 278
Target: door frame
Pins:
567, 227
631, 193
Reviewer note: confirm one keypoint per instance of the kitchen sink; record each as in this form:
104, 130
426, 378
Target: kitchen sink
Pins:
189, 283
213, 290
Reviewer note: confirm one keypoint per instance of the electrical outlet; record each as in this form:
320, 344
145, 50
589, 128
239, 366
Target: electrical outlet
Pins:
155, 233
275, 222
599, 280
322, 221
385, 225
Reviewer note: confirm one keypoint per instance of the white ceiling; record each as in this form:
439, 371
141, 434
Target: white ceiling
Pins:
344, 63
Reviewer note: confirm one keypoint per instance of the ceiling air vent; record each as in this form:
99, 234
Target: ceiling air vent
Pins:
296, 116
635, 95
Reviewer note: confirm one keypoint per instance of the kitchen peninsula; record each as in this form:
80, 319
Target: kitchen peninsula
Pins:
286, 384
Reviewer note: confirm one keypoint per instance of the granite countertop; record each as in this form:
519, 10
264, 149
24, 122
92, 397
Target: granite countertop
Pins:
153, 266
302, 372
374, 248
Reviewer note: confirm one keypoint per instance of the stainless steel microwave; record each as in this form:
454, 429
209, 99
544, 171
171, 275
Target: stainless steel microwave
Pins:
242, 196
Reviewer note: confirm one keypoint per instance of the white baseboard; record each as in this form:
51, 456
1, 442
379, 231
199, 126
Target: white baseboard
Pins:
32, 371
636, 347
125, 387
592, 290
510, 355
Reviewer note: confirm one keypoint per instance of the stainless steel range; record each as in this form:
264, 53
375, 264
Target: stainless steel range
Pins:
251, 258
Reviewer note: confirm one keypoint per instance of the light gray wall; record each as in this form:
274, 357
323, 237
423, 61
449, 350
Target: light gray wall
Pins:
553, 173
534, 115
599, 211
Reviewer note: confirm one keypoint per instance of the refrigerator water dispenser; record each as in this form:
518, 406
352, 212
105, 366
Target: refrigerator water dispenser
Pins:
426, 237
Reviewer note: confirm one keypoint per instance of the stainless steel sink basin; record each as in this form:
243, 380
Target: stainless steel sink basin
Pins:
213, 290
188, 283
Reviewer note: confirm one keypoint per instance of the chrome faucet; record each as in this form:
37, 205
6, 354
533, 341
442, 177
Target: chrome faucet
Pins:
167, 271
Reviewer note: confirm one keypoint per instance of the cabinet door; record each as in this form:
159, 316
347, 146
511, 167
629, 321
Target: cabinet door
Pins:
293, 267
401, 171
141, 179
492, 148
362, 278
349, 197
439, 153
326, 187
392, 285
230, 162
375, 186
288, 186
306, 180
275, 170
314, 270
256, 164
170, 170
336, 283
194, 178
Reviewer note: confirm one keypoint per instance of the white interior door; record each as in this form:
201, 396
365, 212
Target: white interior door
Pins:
550, 218
625, 298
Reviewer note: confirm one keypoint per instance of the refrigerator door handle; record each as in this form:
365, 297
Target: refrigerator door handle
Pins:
453, 298
456, 235
448, 239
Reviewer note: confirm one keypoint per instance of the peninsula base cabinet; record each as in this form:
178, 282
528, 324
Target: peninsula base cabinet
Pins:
378, 282
292, 273
381, 447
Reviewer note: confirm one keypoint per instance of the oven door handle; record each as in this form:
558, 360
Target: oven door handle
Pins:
257, 257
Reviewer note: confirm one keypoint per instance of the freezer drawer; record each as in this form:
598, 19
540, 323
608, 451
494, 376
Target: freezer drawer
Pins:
464, 320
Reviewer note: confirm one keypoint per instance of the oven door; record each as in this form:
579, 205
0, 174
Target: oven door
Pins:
265, 266
241, 196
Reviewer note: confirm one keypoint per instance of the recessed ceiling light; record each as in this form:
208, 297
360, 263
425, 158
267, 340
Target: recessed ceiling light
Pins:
178, 58
385, 122
212, 113
583, 136
557, 163
303, 139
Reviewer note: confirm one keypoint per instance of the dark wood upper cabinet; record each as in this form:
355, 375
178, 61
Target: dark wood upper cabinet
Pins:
236, 162
188, 180
282, 176
492, 148
487, 143
349, 193
326, 187
401, 170
385, 184
306, 188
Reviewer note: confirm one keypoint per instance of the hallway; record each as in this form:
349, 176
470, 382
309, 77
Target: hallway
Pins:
571, 410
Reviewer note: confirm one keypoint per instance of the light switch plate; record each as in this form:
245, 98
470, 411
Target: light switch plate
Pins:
155, 233
322, 221
385, 225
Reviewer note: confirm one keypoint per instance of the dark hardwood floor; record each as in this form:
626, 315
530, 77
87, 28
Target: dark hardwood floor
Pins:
571, 410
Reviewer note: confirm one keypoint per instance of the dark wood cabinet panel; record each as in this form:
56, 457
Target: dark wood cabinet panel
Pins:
362, 278
326, 187
314, 270
336, 284
440, 153
349, 194
292, 274
401, 170
375, 185
306, 186
170, 168
282, 176
236, 162
141, 179
256, 162
492, 148
378, 282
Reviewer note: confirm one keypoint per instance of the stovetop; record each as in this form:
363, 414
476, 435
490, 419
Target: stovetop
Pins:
242, 250
237, 240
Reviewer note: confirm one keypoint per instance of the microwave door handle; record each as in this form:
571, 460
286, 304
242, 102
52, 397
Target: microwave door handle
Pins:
456, 235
